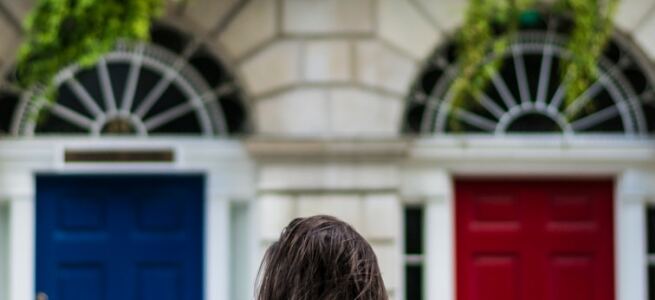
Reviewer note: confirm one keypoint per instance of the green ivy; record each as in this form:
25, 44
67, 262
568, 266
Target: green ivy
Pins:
491, 25
64, 32
592, 30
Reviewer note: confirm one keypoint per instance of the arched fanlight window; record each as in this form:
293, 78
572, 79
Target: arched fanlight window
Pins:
171, 86
527, 95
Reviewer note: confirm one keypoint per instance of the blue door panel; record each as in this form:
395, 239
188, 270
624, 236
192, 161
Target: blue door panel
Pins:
160, 282
120, 237
80, 282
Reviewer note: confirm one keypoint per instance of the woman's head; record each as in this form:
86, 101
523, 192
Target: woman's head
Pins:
322, 258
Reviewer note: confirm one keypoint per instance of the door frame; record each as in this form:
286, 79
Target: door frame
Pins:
433, 164
228, 172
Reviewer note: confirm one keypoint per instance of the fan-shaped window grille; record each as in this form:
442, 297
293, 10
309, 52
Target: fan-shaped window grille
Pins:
527, 95
170, 87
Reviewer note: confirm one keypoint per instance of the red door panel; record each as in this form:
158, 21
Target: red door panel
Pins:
495, 277
571, 277
534, 240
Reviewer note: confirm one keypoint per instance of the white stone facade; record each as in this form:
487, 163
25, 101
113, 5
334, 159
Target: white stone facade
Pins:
326, 82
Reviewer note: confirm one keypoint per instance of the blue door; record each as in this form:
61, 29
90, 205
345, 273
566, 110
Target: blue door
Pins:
119, 237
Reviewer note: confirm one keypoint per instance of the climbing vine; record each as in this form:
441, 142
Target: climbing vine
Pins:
491, 25
64, 32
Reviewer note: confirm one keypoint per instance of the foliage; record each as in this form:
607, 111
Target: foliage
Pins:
64, 32
477, 39
592, 30
491, 25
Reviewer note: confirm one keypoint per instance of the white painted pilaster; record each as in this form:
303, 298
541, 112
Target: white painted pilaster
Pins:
4, 247
439, 272
217, 251
241, 284
21, 248
631, 261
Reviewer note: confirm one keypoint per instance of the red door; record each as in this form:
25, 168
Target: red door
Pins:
534, 240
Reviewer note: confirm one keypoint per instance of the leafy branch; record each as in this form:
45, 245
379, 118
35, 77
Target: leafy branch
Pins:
64, 32
491, 25
592, 30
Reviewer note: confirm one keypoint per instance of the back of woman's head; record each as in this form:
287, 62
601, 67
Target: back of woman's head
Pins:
320, 258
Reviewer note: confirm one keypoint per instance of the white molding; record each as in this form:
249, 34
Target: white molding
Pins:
217, 236
241, 280
631, 235
536, 156
432, 164
229, 176
4, 249
609, 146
266, 148
424, 180
439, 282
254, 254
21, 250
636, 185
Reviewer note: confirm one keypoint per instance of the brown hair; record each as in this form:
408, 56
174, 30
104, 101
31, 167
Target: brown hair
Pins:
322, 258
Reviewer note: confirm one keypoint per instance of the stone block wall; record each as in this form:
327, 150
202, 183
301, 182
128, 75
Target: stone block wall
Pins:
364, 194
